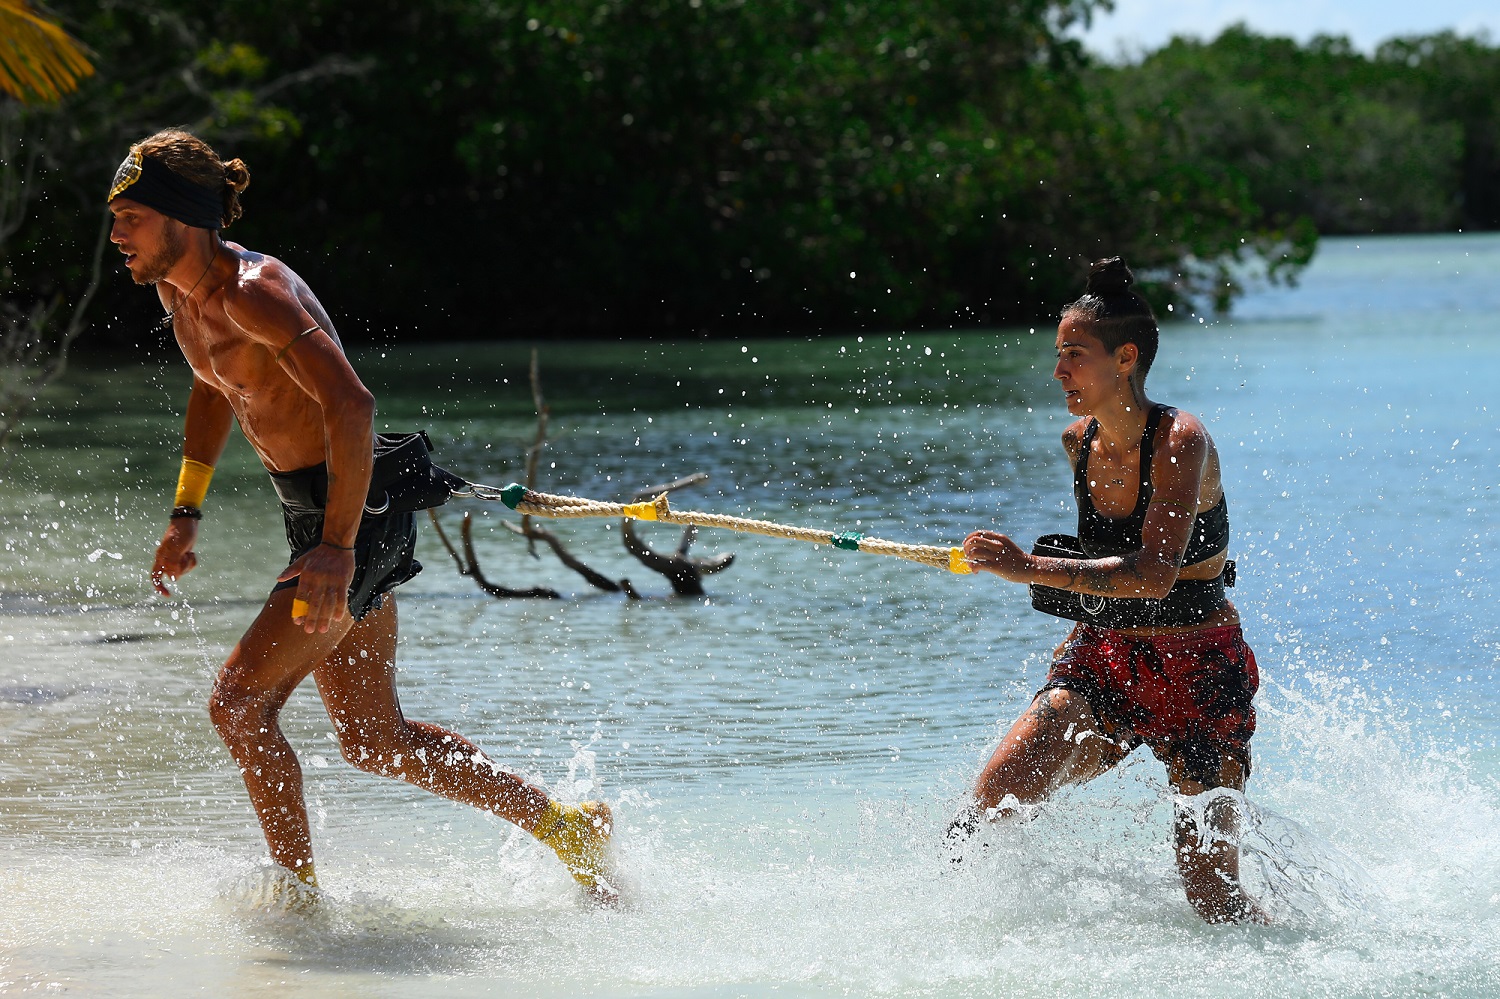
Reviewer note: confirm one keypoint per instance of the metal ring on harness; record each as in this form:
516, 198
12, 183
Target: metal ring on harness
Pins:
1189, 602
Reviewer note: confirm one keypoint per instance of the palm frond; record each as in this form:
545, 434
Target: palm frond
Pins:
37, 58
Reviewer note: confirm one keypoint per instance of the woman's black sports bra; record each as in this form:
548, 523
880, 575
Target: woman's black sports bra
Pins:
1102, 536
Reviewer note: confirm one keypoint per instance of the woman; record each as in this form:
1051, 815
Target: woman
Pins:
1158, 656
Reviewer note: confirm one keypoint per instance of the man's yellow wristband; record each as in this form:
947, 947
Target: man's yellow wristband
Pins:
192, 483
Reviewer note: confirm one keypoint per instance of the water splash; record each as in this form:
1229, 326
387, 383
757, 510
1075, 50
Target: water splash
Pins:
1301, 877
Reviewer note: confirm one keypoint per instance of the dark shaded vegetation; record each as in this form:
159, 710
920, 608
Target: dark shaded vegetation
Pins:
473, 170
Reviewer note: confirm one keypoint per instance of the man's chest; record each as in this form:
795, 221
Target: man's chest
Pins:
228, 360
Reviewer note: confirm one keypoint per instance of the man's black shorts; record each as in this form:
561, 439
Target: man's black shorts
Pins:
384, 547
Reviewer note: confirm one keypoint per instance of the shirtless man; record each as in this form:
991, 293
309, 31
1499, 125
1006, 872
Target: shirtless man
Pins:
264, 354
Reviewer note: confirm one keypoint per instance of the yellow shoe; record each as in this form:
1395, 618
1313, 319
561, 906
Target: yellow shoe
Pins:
579, 834
278, 889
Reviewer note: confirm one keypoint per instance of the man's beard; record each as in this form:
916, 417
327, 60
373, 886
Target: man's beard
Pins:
172, 249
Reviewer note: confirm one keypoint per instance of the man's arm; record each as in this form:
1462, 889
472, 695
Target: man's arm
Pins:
316, 363
205, 432
271, 313
320, 369
206, 429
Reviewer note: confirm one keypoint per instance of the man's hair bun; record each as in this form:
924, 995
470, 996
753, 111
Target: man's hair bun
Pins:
1110, 277
237, 175
188, 156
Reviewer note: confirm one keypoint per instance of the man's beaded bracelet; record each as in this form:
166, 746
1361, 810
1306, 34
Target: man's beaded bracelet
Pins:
187, 511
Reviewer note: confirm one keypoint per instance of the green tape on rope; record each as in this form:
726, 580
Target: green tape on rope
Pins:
513, 494
848, 541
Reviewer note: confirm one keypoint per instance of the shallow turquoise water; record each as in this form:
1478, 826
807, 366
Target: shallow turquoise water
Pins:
782, 754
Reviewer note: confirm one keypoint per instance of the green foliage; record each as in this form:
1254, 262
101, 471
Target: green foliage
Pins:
1320, 131
143, 83
233, 59
779, 164
498, 168
1450, 79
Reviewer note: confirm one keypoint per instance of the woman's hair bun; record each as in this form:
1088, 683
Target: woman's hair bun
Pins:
1110, 277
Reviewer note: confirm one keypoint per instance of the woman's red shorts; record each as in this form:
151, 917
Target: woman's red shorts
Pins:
1186, 695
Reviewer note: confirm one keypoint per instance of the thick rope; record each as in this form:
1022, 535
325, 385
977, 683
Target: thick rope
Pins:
528, 501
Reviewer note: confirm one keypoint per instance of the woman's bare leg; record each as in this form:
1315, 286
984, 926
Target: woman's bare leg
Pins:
1208, 860
1057, 741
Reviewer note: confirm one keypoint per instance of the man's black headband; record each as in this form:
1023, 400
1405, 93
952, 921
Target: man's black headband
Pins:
152, 183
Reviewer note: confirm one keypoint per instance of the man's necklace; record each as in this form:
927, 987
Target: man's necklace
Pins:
166, 321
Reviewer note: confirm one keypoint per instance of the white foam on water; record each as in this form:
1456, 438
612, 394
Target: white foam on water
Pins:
1379, 858
1374, 846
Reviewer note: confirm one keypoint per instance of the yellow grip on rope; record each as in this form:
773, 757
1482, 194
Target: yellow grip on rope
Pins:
300, 608
957, 563
639, 511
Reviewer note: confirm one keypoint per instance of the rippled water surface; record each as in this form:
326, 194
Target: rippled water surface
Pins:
782, 754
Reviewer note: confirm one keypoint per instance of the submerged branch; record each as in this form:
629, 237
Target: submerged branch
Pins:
683, 573
534, 533
468, 564
528, 529
534, 453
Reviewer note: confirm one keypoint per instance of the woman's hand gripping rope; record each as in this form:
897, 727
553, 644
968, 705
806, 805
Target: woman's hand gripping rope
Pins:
529, 501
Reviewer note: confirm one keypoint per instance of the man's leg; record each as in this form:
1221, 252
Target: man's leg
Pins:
272, 658
358, 684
